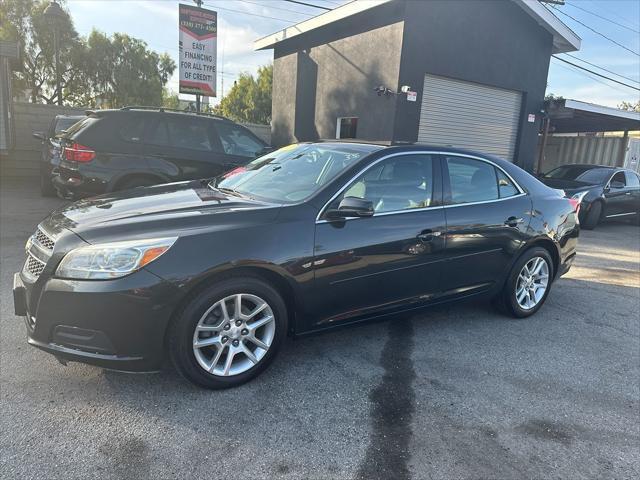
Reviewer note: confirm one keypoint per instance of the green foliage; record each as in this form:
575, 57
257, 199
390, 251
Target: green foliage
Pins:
170, 99
249, 100
551, 97
96, 71
630, 106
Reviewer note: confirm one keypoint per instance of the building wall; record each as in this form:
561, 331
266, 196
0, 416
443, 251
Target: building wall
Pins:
493, 42
333, 72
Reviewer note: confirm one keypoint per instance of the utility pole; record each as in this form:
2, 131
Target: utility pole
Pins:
199, 4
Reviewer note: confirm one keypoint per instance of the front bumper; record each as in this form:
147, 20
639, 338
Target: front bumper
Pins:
117, 324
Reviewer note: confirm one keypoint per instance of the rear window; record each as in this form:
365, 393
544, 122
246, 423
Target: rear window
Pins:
65, 122
78, 127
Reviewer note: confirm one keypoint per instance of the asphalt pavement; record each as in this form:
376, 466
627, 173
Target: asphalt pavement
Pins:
456, 391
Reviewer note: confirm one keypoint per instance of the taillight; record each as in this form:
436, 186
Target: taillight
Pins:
575, 203
79, 153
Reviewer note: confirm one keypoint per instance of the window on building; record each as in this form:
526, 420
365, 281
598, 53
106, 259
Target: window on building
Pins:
347, 127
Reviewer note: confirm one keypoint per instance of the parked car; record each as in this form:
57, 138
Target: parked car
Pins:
50, 157
603, 192
119, 149
310, 237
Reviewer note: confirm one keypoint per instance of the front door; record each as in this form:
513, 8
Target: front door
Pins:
391, 260
487, 218
621, 195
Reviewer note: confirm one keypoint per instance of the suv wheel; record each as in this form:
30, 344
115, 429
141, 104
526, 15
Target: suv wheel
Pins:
228, 333
528, 284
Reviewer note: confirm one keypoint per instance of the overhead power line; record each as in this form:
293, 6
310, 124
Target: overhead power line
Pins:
634, 80
276, 8
596, 73
307, 4
595, 31
602, 17
249, 13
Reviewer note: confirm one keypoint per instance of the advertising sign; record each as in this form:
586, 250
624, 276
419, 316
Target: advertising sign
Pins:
198, 50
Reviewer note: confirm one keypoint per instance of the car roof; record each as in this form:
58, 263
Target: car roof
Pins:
156, 110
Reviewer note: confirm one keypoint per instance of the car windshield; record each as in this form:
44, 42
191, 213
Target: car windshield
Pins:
580, 173
293, 173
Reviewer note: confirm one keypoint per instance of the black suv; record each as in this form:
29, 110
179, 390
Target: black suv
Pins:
137, 146
50, 158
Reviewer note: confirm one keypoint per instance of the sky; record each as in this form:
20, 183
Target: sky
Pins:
240, 22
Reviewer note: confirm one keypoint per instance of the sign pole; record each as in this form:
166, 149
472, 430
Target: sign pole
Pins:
199, 4
198, 51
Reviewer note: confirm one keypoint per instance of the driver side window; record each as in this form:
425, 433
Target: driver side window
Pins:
398, 183
618, 178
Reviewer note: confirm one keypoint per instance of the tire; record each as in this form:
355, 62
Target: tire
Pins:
593, 216
46, 188
507, 300
204, 312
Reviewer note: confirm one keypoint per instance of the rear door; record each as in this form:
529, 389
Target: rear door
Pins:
487, 216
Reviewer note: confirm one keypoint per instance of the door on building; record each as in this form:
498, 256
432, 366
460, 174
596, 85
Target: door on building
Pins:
469, 115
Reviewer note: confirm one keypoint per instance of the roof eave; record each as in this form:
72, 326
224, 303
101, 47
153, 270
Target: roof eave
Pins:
564, 39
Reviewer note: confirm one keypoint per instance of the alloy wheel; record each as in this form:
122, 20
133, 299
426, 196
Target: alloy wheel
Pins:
234, 334
532, 283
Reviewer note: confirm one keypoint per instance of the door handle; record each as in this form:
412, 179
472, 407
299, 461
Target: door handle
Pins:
513, 221
628, 193
428, 235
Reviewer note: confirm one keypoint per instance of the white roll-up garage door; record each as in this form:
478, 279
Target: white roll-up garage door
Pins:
469, 115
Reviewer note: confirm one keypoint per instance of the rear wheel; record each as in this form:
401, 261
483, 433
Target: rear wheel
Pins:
592, 217
228, 333
528, 284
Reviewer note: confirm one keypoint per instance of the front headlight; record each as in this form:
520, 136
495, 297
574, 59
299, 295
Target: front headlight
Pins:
112, 260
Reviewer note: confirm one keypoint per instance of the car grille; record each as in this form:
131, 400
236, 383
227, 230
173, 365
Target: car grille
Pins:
33, 266
39, 250
43, 239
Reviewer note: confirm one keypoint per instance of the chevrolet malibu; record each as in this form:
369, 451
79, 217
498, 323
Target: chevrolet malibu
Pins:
216, 273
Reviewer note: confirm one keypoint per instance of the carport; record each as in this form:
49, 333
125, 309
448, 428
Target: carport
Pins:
566, 117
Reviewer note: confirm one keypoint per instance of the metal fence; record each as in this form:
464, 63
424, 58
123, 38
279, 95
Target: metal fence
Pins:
590, 150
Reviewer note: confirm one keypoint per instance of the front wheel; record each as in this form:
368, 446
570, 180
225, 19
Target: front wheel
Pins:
592, 217
228, 333
528, 284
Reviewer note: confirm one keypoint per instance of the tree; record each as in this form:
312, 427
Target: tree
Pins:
24, 21
96, 71
170, 99
121, 70
249, 100
630, 106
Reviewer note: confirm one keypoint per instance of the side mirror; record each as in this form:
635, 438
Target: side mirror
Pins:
39, 136
351, 207
616, 185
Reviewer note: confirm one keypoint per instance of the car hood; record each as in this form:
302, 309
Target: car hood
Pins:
170, 206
